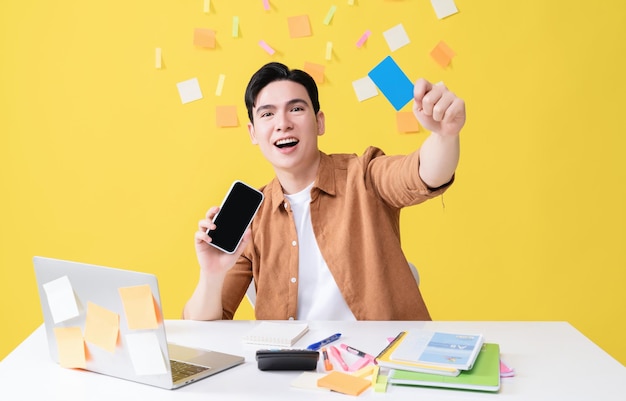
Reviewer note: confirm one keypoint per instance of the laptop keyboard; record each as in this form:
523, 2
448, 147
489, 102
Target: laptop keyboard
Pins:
181, 370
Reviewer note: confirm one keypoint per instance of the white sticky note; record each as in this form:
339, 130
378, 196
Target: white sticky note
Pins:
207, 6
220, 85
308, 381
61, 299
444, 8
329, 50
189, 90
396, 37
364, 88
157, 58
145, 354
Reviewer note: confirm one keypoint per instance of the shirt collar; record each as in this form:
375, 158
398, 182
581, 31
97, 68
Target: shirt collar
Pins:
324, 181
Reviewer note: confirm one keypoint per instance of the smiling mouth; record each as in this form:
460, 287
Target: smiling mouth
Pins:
286, 143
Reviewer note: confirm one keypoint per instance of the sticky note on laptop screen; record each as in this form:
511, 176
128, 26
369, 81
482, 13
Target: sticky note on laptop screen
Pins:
139, 307
392, 82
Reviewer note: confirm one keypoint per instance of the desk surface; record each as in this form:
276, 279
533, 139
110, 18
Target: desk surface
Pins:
552, 360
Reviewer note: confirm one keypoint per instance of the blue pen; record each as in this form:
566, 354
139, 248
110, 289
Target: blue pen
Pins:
320, 344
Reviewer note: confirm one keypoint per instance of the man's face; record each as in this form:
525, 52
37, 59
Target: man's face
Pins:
286, 126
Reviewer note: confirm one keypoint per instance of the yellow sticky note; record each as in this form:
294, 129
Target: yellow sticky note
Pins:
344, 383
204, 38
71, 347
316, 71
442, 54
329, 50
139, 307
102, 327
407, 122
226, 116
299, 26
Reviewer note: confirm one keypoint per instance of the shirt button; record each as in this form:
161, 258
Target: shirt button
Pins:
286, 205
291, 318
293, 280
294, 243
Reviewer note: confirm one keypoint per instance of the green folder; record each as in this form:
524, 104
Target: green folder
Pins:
484, 376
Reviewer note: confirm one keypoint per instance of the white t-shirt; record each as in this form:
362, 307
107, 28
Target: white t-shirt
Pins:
319, 297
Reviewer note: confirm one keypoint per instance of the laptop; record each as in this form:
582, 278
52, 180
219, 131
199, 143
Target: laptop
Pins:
109, 321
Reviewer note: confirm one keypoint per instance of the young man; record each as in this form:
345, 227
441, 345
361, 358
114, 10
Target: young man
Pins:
325, 244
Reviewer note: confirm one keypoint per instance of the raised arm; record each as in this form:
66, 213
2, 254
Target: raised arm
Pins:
443, 114
206, 301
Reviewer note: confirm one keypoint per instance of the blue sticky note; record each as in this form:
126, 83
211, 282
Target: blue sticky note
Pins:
392, 82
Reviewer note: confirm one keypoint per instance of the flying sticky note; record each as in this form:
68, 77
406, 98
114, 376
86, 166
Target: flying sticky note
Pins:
396, 37
442, 54
61, 299
102, 327
145, 354
344, 383
157, 58
220, 85
330, 14
203, 37
71, 347
226, 116
329, 50
207, 6
364, 88
189, 90
316, 71
266, 47
299, 26
406, 122
392, 82
139, 307
235, 32
363, 38
444, 8
266, 5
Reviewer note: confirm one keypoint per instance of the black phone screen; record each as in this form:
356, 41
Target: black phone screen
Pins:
236, 212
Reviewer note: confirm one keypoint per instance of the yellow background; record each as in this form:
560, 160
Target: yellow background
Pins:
101, 163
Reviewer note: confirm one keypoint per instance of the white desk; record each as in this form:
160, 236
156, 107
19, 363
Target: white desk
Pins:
552, 360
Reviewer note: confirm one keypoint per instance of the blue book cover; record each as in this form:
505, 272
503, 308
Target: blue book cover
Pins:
455, 350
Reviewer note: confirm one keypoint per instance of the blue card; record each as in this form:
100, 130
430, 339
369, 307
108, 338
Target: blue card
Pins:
392, 82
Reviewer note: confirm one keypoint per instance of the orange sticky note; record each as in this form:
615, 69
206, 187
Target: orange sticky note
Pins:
344, 383
299, 26
102, 327
139, 307
442, 54
226, 116
71, 347
316, 71
407, 122
204, 38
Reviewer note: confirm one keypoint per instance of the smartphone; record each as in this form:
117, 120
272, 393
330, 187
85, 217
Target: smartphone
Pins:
235, 215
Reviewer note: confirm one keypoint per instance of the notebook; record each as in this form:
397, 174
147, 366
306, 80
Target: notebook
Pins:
276, 334
484, 375
109, 321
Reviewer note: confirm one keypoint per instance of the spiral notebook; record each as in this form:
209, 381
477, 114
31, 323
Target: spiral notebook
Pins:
277, 334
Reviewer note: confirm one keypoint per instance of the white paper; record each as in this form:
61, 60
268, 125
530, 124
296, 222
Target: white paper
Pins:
364, 88
61, 299
145, 353
308, 380
444, 8
189, 90
396, 37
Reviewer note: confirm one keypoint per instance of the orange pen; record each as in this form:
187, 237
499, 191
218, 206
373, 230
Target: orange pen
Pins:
327, 365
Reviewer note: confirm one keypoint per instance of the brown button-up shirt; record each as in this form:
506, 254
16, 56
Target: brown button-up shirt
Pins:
355, 213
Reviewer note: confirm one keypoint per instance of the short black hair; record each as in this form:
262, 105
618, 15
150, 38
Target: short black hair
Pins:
274, 71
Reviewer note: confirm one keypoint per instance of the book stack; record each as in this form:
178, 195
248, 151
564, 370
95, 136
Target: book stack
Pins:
438, 359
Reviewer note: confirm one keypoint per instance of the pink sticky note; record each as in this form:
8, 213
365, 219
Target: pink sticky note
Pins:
266, 47
266, 5
363, 38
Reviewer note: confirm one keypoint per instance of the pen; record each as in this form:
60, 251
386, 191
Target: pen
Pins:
355, 351
335, 352
327, 365
320, 344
